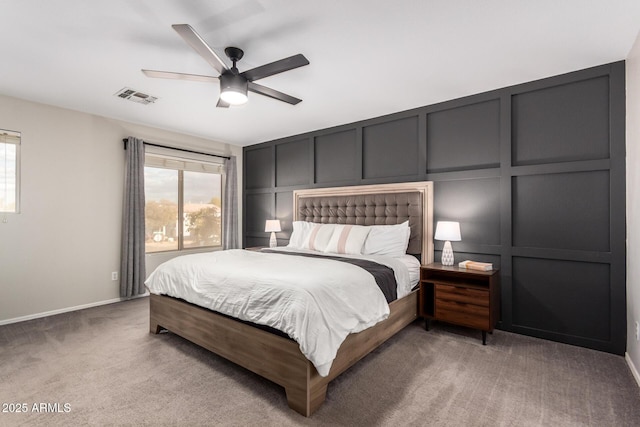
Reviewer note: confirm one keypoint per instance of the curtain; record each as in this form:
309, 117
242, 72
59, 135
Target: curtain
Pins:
132, 269
230, 205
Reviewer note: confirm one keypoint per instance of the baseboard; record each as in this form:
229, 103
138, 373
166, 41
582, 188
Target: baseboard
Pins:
66, 310
634, 371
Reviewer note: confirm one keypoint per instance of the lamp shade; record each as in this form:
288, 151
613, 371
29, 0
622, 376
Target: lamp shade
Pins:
272, 225
448, 230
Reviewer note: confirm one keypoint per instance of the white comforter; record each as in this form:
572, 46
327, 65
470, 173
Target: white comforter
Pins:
317, 302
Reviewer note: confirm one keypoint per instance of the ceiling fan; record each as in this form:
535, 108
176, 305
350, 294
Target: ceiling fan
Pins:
233, 84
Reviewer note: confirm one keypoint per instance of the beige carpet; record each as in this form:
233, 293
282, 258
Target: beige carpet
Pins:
105, 366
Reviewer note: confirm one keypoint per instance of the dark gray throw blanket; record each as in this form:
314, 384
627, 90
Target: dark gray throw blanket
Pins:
385, 278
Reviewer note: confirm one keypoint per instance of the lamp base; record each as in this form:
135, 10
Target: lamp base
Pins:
272, 241
447, 254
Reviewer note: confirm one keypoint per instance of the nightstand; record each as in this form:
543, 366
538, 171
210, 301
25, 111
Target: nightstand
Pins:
256, 248
460, 296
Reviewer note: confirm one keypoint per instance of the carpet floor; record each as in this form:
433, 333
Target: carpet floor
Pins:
100, 366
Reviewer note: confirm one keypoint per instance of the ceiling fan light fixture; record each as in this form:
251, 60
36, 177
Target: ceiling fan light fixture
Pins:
232, 97
233, 89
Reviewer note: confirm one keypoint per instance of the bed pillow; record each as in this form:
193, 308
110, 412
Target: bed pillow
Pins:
301, 230
391, 240
318, 237
347, 239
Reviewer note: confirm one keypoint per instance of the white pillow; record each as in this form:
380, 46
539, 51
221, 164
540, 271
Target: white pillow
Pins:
301, 230
347, 239
318, 237
389, 240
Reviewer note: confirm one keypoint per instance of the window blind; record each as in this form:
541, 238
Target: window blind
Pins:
9, 137
173, 159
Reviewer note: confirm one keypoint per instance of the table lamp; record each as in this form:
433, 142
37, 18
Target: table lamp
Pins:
447, 231
273, 226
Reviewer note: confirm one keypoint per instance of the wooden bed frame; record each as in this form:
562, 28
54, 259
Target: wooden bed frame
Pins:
278, 358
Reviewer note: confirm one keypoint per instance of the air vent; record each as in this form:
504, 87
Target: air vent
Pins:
135, 96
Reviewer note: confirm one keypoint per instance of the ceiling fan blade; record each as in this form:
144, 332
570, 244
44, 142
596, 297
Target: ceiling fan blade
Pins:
280, 66
222, 104
272, 93
198, 44
179, 76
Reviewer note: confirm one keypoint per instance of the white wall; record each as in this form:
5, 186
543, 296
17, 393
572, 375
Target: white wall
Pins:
59, 252
633, 204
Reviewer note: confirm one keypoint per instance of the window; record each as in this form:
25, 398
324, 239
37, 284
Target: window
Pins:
9, 171
183, 203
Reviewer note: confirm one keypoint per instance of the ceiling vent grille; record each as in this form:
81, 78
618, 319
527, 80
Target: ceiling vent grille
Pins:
135, 96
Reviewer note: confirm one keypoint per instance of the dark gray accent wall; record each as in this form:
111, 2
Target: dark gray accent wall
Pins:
382, 159
534, 173
464, 138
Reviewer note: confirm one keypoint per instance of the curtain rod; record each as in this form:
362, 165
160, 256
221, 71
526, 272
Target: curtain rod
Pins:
126, 140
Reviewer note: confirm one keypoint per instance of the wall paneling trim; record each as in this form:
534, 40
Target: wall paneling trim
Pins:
534, 173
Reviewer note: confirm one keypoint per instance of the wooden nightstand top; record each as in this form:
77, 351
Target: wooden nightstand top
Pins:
436, 266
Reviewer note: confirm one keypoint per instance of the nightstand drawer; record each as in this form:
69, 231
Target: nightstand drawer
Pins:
473, 316
471, 309
464, 295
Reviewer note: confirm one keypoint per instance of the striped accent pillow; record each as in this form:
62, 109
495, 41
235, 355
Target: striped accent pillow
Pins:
319, 237
347, 239
301, 230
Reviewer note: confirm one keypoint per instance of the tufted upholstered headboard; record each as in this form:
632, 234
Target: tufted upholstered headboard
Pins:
380, 204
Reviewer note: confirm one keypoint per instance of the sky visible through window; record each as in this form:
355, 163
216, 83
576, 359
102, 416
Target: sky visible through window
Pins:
161, 184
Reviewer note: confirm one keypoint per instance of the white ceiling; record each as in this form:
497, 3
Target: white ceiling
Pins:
367, 57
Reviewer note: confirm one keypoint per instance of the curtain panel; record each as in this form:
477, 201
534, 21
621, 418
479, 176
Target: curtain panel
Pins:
132, 267
230, 205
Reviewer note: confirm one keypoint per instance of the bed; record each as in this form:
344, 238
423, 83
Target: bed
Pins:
279, 358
